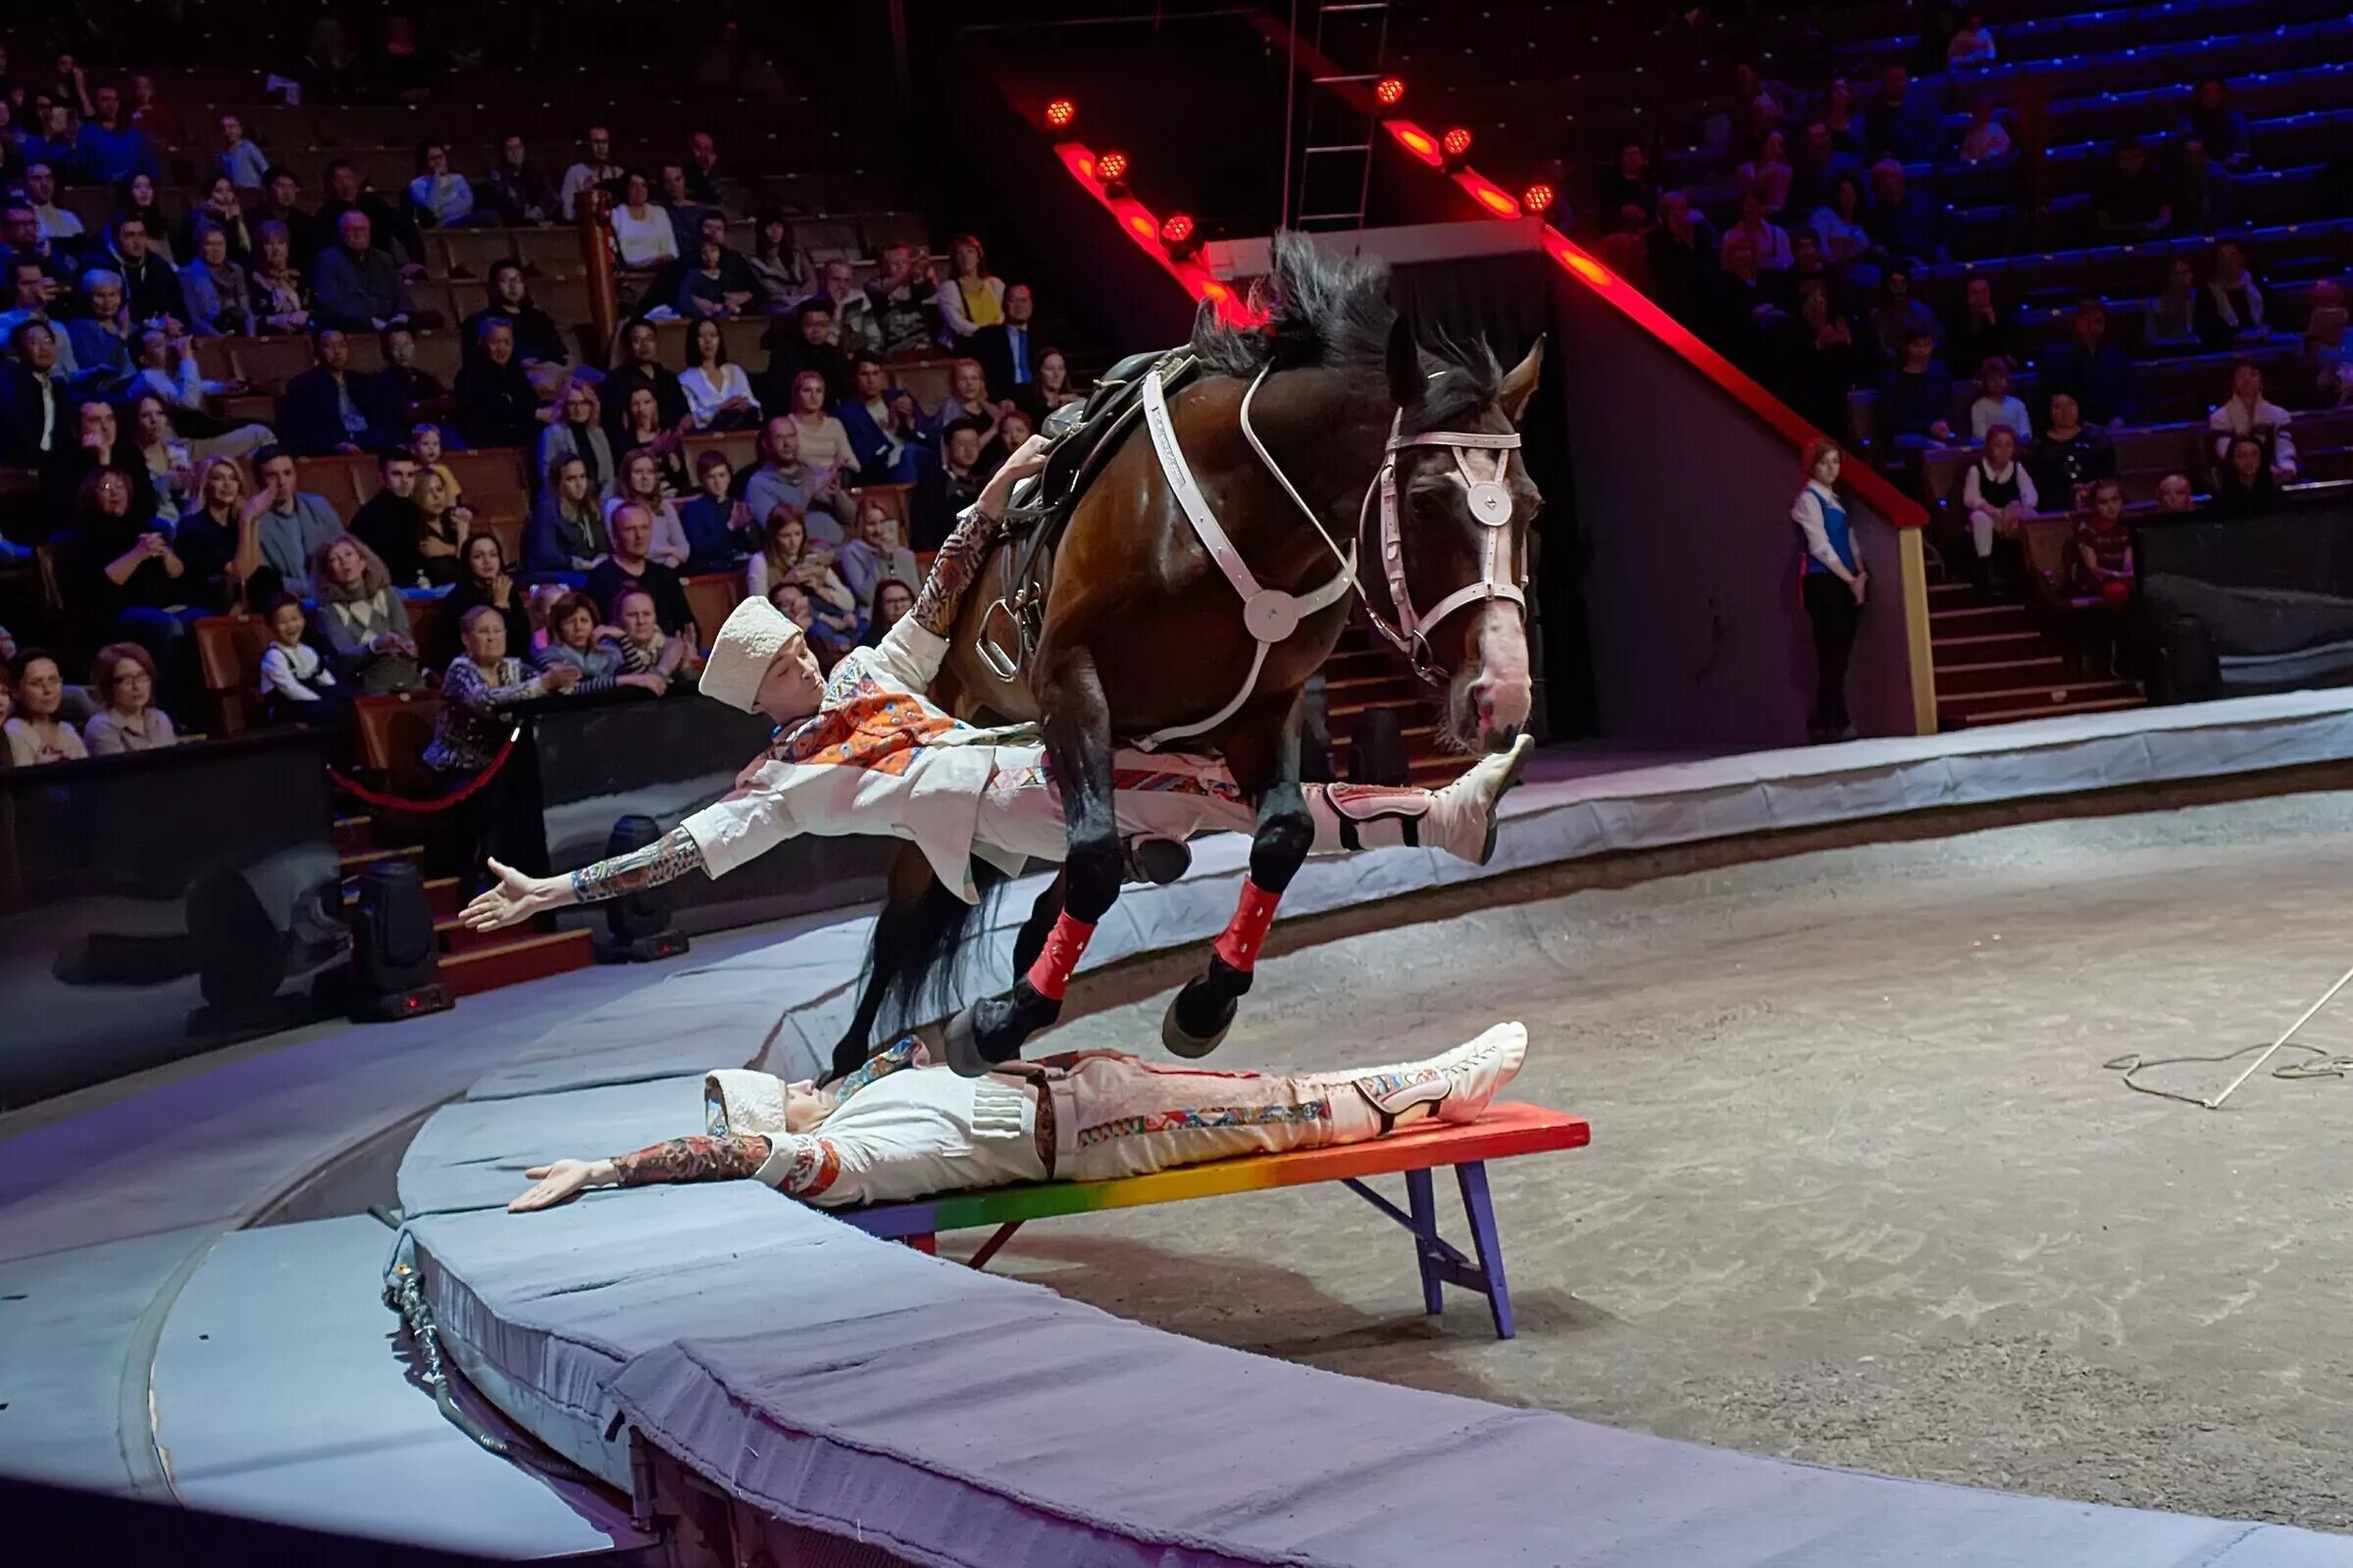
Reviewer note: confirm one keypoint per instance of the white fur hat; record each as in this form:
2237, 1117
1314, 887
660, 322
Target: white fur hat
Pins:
739, 1101
748, 645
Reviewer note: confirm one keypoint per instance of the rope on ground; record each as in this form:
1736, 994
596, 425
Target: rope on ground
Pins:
458, 798
2318, 1064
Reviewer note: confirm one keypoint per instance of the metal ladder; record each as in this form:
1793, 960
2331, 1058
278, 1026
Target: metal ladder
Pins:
1335, 137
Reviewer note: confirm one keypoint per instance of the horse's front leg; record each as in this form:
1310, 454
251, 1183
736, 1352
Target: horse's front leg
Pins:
1077, 728
898, 925
1265, 756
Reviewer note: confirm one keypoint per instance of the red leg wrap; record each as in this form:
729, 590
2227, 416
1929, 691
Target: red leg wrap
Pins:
1246, 932
1050, 972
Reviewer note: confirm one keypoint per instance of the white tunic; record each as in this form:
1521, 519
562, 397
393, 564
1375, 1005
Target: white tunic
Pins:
909, 1135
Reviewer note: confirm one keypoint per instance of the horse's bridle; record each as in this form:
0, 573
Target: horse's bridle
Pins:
1490, 504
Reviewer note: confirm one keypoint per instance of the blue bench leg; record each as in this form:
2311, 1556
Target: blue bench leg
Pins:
1472, 1178
1422, 1203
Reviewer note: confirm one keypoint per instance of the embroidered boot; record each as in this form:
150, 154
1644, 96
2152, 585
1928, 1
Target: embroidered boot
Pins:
1454, 1087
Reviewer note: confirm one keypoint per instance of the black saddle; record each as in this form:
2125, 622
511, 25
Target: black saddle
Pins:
1087, 437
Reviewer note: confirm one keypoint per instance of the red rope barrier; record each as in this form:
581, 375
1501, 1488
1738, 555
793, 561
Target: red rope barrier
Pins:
377, 798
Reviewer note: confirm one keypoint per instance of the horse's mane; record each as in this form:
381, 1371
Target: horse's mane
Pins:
1320, 309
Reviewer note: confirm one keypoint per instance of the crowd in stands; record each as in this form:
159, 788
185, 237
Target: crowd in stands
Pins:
154, 496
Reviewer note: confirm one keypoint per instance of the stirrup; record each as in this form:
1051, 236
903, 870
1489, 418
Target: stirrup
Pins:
1005, 667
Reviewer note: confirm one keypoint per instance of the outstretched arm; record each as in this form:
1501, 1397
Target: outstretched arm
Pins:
678, 1159
518, 897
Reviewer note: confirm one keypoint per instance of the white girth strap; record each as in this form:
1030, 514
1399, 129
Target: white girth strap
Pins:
1270, 615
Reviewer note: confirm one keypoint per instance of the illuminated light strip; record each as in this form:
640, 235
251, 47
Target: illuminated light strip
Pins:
1140, 225
1891, 503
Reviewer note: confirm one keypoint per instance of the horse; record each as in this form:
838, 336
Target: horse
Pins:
1327, 445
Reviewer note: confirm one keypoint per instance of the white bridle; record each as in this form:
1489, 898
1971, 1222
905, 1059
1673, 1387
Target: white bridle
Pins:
1271, 614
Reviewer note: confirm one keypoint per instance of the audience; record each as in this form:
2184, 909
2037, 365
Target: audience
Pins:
2093, 372
364, 620
875, 556
1915, 397
575, 640
358, 286
567, 534
1982, 332
2248, 413
594, 171
416, 391
637, 483
884, 427
471, 730
293, 525
631, 564
440, 197
519, 191
282, 296
1997, 494
497, 403
718, 394
1995, 405
326, 409
2232, 311
642, 236
122, 686
806, 345
719, 528
1008, 352
646, 649
2069, 455
642, 366
119, 570
390, 520
641, 431
904, 299
36, 731
538, 341
2244, 486
783, 480
298, 684
2174, 315
577, 433
786, 555
824, 443
483, 579
971, 297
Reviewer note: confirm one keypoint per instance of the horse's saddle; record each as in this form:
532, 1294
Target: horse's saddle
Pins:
1085, 436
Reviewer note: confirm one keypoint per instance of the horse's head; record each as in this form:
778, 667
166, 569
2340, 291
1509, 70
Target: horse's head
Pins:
1448, 537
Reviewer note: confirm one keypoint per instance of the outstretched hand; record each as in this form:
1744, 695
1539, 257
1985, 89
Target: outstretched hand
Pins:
516, 899
556, 1184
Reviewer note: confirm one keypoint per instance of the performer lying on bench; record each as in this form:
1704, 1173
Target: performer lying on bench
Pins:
899, 1127
864, 752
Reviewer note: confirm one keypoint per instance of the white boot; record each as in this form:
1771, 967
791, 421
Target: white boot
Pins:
1455, 1087
1461, 815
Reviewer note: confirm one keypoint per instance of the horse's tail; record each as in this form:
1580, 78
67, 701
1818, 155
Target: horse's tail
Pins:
931, 938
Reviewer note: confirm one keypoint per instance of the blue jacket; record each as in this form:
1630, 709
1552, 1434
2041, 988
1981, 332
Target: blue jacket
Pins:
112, 155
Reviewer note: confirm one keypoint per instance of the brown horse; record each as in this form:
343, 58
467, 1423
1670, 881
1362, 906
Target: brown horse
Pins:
1143, 631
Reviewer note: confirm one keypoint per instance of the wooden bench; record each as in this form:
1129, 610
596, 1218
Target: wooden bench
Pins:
1504, 1131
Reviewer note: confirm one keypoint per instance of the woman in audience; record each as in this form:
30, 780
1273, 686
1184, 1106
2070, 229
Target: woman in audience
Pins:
646, 649
719, 529
967, 400
1839, 225
718, 392
2232, 311
874, 555
223, 210
1821, 359
1054, 381
781, 272
497, 406
1833, 587
1998, 494
1768, 173
440, 197
703, 292
1982, 332
36, 734
2102, 568
641, 481
567, 534
971, 296
220, 300
574, 638
470, 728
298, 684
121, 577
2245, 487
2175, 496
641, 431
483, 579
893, 599
1897, 317
2173, 314
2069, 455
578, 431
787, 556
364, 620
1986, 141
282, 300
443, 524
219, 544
136, 199
642, 231
122, 685
169, 461
824, 444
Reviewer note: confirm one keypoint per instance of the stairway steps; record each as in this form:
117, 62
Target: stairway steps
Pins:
350, 835
510, 959
1975, 646
451, 936
351, 862
2050, 697
1967, 619
1962, 680
2108, 705
440, 896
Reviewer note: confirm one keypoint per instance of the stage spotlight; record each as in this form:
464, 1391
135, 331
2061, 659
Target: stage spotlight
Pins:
638, 925
1537, 199
1060, 112
1179, 236
396, 963
1113, 169
1389, 92
1455, 144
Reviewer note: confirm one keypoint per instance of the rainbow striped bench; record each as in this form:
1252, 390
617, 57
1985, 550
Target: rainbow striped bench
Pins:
1504, 1131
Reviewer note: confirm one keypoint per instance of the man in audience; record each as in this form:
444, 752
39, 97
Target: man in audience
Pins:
595, 170
807, 344
1915, 398
704, 176
883, 426
686, 213
40, 190
1683, 259
2220, 127
110, 148
632, 567
97, 443
21, 239
784, 480
291, 523
1748, 306
1905, 124
32, 292
34, 414
903, 298
386, 523
1900, 221
2249, 414
406, 386
1008, 353
538, 342
150, 287
2134, 202
357, 286
245, 163
855, 327
2206, 200
955, 483
2094, 372
48, 138
390, 230
640, 365
326, 409
519, 189
281, 203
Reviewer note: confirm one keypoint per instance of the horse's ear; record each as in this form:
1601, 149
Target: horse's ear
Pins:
1407, 383
1520, 384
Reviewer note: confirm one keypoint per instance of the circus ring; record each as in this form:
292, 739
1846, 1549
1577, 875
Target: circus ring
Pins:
1860, 1194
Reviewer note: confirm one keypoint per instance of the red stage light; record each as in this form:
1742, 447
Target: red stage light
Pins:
1111, 168
1537, 199
1389, 92
1416, 141
1060, 112
1177, 227
1455, 143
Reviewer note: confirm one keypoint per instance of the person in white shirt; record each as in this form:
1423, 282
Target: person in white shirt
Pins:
901, 1127
296, 676
1997, 493
718, 394
2248, 413
642, 231
597, 169
864, 752
40, 193
1996, 404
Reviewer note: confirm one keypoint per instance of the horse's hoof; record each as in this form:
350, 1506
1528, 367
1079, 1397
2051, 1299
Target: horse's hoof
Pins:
1157, 861
1188, 1034
992, 1030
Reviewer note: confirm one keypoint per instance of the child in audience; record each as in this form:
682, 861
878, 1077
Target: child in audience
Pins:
1998, 493
1995, 404
719, 529
426, 442
2103, 565
644, 648
2175, 494
539, 605
297, 683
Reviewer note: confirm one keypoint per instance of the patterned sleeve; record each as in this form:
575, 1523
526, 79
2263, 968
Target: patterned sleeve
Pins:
700, 1158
